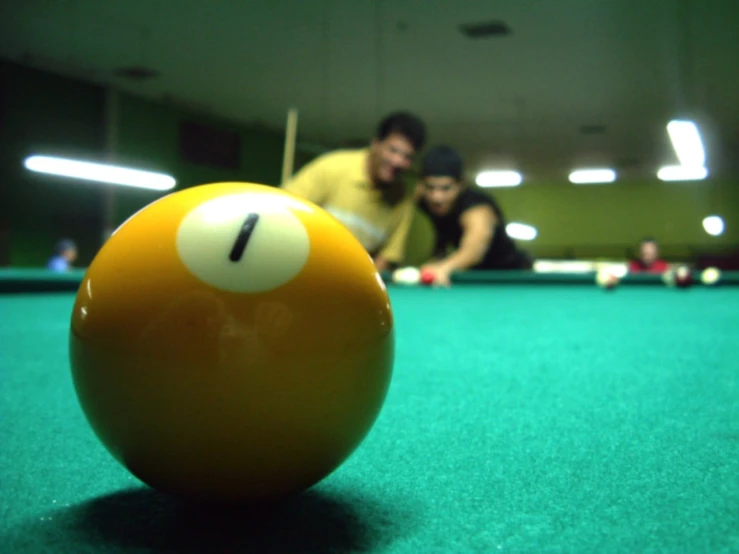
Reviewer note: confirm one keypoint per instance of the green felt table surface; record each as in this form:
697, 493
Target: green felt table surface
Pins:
521, 419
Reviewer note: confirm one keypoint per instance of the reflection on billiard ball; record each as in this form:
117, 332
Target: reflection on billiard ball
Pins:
231, 343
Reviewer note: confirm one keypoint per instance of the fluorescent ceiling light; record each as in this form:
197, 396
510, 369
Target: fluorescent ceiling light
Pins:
487, 179
686, 140
102, 173
682, 173
521, 231
713, 225
584, 176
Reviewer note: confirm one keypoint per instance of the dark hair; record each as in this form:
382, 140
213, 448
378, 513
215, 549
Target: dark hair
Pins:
406, 124
442, 161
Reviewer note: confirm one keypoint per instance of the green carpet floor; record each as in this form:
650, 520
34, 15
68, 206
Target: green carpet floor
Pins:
520, 420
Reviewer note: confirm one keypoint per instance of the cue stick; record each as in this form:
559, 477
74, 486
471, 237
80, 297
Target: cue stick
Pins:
111, 148
290, 134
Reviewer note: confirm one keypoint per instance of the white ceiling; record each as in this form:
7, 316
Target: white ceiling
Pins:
516, 101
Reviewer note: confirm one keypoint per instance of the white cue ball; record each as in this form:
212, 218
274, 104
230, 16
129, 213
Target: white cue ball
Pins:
407, 276
710, 276
606, 279
668, 277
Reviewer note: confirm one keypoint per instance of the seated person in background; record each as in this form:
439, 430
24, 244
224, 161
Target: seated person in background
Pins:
364, 188
648, 261
467, 219
65, 255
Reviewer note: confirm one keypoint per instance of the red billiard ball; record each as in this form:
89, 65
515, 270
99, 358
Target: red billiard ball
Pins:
427, 277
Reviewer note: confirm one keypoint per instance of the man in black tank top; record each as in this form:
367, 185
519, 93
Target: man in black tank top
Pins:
464, 219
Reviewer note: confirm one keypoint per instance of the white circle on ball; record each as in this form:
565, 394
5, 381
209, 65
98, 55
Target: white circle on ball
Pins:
244, 243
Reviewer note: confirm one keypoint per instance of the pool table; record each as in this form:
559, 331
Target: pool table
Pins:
527, 414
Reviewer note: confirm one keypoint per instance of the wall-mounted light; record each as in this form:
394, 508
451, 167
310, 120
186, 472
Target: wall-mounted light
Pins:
521, 231
102, 173
713, 225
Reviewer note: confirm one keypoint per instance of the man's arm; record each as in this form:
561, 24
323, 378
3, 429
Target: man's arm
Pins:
381, 264
478, 229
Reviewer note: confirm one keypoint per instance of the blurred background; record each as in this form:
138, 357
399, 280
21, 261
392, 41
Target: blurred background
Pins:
201, 91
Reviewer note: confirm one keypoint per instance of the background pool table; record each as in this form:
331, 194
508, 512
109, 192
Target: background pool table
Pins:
526, 414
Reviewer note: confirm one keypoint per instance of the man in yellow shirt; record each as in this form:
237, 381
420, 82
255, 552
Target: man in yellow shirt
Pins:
364, 188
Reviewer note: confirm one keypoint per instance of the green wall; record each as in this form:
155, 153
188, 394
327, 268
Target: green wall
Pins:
47, 113
44, 113
606, 220
148, 139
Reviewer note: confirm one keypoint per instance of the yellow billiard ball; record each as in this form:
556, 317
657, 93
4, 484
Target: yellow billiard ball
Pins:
231, 343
